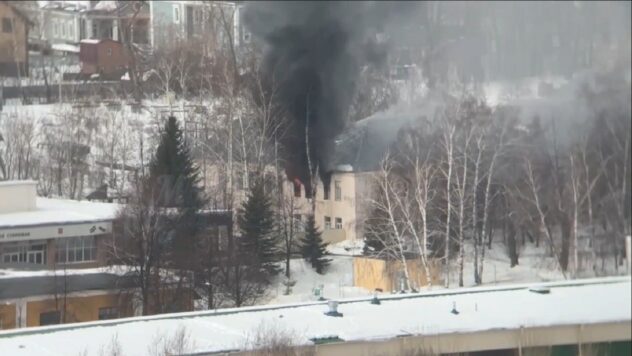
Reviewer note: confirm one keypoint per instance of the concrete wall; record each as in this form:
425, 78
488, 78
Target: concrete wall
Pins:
519, 341
16, 196
78, 309
351, 207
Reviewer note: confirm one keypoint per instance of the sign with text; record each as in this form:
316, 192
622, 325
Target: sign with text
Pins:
55, 231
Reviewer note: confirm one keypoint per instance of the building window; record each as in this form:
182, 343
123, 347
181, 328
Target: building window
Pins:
55, 29
63, 30
7, 25
108, 313
71, 31
297, 190
176, 13
24, 253
338, 190
76, 249
50, 318
326, 189
338, 223
327, 223
109, 52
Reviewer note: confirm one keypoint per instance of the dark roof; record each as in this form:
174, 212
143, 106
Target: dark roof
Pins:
364, 143
20, 287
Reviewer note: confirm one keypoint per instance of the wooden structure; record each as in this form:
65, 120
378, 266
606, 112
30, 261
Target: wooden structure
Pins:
387, 275
105, 57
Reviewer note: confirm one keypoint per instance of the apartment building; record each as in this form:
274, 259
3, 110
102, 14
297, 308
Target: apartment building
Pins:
202, 21
67, 23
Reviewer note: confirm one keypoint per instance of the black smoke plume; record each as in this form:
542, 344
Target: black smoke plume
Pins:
313, 54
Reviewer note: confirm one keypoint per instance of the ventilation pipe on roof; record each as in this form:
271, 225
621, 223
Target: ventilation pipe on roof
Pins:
375, 300
333, 308
454, 311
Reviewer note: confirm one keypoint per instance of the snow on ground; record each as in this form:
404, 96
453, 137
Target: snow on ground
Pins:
568, 303
337, 282
346, 248
535, 266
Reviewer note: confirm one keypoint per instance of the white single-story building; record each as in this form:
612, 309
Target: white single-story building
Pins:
43, 231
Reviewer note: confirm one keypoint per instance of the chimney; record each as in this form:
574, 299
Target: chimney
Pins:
17, 196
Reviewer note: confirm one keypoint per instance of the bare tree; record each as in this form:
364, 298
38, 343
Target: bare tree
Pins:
141, 243
447, 142
19, 139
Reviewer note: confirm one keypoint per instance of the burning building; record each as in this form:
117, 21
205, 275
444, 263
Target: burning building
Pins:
313, 56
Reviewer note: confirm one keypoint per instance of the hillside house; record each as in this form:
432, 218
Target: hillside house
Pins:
105, 57
14, 56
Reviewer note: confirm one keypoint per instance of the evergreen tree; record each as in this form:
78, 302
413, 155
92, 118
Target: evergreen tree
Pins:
258, 244
174, 172
174, 178
313, 248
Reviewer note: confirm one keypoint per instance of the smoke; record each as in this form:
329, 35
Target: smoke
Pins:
313, 54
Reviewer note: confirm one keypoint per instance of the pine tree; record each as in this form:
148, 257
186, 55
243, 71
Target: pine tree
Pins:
174, 172
313, 248
175, 179
258, 244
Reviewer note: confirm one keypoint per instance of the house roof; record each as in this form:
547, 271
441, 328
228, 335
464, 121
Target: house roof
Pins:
364, 143
578, 302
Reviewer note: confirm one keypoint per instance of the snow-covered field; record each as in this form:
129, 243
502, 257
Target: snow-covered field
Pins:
535, 265
337, 282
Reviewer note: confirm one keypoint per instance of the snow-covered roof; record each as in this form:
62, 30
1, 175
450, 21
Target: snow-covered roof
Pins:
90, 40
7, 183
577, 302
64, 47
60, 211
21, 272
106, 5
